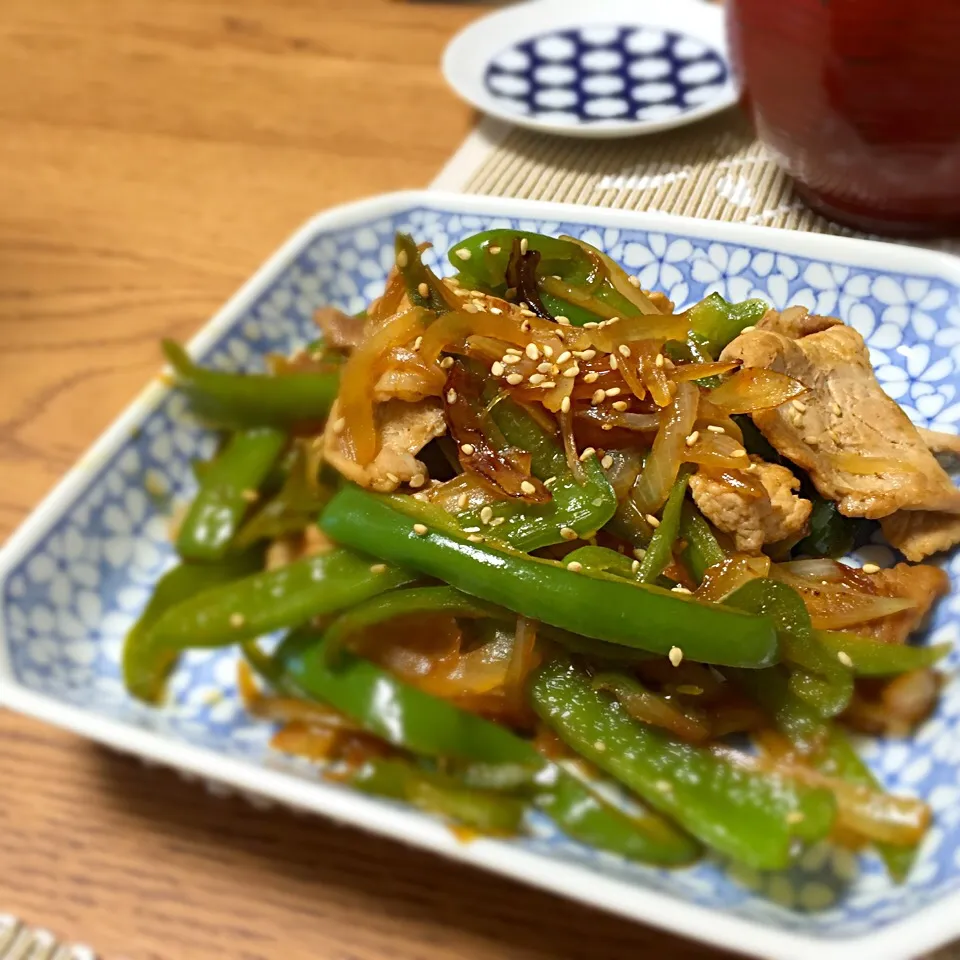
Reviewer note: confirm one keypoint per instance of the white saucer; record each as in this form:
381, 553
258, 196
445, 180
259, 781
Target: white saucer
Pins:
610, 68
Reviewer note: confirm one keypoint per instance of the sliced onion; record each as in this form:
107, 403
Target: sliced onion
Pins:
624, 470
455, 327
717, 451
656, 710
565, 419
654, 377
726, 577
389, 302
818, 570
523, 659
754, 389
700, 371
618, 277
463, 492
666, 455
360, 373
714, 416
658, 327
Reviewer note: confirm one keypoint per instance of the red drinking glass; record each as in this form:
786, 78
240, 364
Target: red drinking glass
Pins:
859, 100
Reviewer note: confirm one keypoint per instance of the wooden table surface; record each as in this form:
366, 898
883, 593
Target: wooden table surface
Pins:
152, 153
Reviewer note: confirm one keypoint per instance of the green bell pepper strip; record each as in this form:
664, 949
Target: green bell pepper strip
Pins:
749, 817
818, 676
594, 605
839, 759
394, 710
605, 560
660, 551
253, 399
144, 670
438, 298
242, 609
702, 549
872, 658
628, 523
582, 507
428, 726
402, 603
211, 523
714, 322
831, 533
643, 836
432, 792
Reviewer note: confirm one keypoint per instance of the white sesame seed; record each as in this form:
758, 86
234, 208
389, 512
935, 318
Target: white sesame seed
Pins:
799, 405
564, 357
568, 533
525, 325
586, 354
378, 568
634, 281
547, 350
527, 487
599, 746
470, 308
749, 329
563, 321
591, 326
713, 428
676, 656
635, 566
237, 620
493, 250
339, 424
663, 786
532, 351
471, 529
251, 496
463, 253
680, 588
652, 520
496, 310
659, 360
623, 350
740, 452
612, 392
523, 245
536, 378
613, 362
515, 351
571, 371
620, 405
510, 358
423, 289
462, 501
451, 395
870, 568
598, 396
575, 566
486, 514
496, 522
844, 658
446, 363
497, 368
693, 438
550, 481
514, 378
544, 367
402, 259
591, 376
417, 342
526, 312
639, 553
811, 440
419, 529
607, 462
587, 453
418, 481
467, 449
548, 384
475, 538
565, 405
837, 410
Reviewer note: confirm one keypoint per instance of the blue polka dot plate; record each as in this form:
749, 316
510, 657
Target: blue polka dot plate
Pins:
75, 577
612, 68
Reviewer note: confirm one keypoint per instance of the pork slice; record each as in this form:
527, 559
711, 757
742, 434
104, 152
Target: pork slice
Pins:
918, 534
753, 520
404, 429
339, 329
845, 419
796, 322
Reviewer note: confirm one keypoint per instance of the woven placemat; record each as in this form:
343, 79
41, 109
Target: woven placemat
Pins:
20, 942
715, 169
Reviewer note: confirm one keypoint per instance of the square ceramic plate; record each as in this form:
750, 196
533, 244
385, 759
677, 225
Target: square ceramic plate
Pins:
75, 576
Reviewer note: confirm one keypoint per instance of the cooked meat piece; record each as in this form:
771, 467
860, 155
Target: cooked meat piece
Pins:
660, 300
796, 322
918, 534
845, 418
938, 442
340, 330
922, 583
406, 378
404, 430
776, 514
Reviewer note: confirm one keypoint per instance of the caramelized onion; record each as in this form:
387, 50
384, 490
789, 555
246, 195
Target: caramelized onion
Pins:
651, 708
360, 373
868, 466
716, 451
654, 377
754, 389
618, 277
700, 371
666, 455
726, 577
453, 329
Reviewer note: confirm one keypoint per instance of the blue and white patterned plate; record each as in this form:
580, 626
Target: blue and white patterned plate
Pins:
614, 68
75, 576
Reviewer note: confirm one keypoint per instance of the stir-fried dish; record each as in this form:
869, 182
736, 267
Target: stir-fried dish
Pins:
533, 540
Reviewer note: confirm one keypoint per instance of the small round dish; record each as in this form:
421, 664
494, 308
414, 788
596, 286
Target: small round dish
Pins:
612, 68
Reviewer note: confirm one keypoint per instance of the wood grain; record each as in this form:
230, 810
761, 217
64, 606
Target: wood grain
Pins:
152, 153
